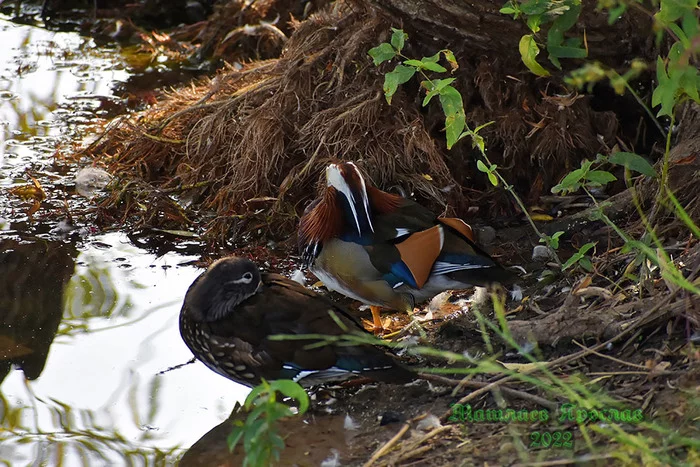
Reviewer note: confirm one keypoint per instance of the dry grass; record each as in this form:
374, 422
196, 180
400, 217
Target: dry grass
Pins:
266, 130
248, 145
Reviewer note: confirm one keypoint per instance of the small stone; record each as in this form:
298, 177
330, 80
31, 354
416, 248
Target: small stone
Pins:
486, 235
90, 179
429, 423
389, 417
541, 253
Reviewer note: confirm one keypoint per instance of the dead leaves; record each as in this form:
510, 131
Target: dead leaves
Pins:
33, 192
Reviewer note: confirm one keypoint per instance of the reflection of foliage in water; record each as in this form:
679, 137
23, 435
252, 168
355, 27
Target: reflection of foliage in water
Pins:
83, 435
93, 292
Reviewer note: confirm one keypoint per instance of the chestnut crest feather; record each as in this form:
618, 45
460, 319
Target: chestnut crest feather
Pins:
324, 219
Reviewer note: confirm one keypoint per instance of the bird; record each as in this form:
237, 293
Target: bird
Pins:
385, 250
231, 310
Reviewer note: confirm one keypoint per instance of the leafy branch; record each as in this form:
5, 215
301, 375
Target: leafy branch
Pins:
562, 14
259, 432
452, 104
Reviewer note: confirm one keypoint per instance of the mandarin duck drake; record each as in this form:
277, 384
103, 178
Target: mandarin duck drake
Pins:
232, 309
385, 250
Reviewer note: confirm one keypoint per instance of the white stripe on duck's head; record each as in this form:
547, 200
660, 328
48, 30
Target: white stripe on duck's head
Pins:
347, 180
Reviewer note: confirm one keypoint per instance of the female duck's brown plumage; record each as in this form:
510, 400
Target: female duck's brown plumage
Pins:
385, 250
230, 311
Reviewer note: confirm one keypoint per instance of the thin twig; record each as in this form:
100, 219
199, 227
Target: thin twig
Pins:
176, 367
480, 385
387, 446
641, 367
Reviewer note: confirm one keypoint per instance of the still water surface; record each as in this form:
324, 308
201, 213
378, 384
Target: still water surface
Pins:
91, 318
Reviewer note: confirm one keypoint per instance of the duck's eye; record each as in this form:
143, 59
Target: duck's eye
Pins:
246, 278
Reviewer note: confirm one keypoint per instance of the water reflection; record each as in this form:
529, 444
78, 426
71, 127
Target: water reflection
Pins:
41, 71
32, 280
100, 396
51, 84
91, 325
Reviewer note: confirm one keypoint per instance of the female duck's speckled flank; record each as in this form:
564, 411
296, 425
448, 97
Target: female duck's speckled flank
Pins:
230, 311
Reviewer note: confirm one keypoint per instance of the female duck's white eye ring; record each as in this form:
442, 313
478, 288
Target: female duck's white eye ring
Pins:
246, 278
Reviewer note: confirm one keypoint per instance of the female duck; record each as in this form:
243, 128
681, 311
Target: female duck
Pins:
231, 310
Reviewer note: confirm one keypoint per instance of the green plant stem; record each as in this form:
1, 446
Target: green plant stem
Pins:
660, 258
667, 156
646, 109
507, 186
521, 205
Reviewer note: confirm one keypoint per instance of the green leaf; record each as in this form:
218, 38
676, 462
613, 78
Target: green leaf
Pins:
291, 389
567, 52
533, 22
478, 142
481, 127
425, 65
511, 7
535, 7
576, 257
453, 108
382, 53
615, 13
431, 59
528, 52
690, 25
633, 162
571, 182
665, 92
600, 177
398, 38
434, 67
554, 239
481, 166
394, 78
258, 390
434, 88
450, 57
255, 414
251, 432
431, 63
234, 437
493, 179
415, 63
584, 249
672, 10
555, 36
586, 264
681, 35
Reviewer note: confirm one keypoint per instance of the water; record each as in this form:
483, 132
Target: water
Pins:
91, 318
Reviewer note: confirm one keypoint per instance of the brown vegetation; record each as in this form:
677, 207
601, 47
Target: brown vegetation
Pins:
247, 145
